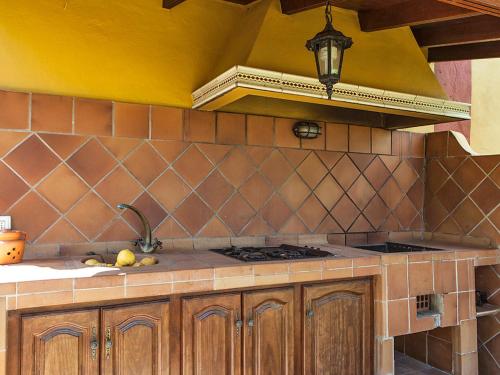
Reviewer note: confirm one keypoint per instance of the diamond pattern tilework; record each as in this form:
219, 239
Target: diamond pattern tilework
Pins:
468, 175
11, 189
193, 214
258, 154
294, 191
214, 153
345, 172
193, 166
256, 190
63, 145
215, 190
294, 226
170, 229
361, 225
276, 169
405, 175
391, 193
450, 195
345, 212
32, 160
118, 231
361, 192
312, 170
90, 215
91, 162
237, 167
328, 192
295, 157
62, 188
406, 212
236, 213
312, 212
118, 187
62, 232
9, 139
33, 215
150, 208
144, 164
463, 202
376, 211
169, 190
276, 212
377, 173
170, 150
486, 196
361, 160
119, 147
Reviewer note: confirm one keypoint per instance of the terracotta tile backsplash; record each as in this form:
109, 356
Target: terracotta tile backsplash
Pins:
462, 192
198, 174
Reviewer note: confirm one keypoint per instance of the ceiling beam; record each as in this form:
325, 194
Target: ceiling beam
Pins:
471, 30
169, 4
471, 51
483, 6
410, 13
296, 6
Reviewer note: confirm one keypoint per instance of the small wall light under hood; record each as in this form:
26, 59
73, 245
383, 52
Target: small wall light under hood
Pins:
307, 130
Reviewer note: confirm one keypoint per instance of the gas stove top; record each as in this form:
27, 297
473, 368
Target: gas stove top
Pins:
263, 254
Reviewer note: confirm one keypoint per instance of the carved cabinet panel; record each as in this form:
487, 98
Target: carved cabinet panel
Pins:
268, 345
211, 335
63, 343
135, 340
337, 328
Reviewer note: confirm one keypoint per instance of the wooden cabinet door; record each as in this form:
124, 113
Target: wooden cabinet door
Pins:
337, 328
211, 335
269, 332
63, 343
135, 340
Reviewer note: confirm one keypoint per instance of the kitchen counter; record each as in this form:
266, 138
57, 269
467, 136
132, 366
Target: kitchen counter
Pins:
65, 280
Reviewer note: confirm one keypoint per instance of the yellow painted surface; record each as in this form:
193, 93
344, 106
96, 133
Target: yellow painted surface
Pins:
485, 128
133, 50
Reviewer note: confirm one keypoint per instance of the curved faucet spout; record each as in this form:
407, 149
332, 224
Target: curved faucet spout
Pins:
146, 243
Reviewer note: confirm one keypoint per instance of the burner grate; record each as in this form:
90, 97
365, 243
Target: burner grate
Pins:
262, 254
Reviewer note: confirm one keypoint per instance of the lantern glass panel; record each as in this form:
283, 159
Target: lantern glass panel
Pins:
334, 60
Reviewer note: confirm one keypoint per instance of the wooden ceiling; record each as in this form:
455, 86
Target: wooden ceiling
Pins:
449, 29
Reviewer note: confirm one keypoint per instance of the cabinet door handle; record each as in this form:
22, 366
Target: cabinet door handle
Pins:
239, 324
94, 344
309, 313
251, 323
109, 342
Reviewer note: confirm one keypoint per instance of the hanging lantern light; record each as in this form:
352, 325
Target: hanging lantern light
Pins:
328, 47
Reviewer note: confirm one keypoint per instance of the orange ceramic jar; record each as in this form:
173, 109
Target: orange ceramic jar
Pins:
11, 246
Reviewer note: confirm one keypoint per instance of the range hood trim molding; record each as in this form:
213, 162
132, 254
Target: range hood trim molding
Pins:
307, 87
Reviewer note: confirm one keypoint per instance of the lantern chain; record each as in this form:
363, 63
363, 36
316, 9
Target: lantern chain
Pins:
328, 11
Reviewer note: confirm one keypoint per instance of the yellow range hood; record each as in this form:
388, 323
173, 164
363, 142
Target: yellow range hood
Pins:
262, 92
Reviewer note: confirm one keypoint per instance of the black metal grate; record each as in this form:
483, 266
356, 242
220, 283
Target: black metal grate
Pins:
423, 303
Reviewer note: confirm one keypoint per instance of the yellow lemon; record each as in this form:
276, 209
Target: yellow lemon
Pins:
137, 264
91, 262
149, 261
125, 258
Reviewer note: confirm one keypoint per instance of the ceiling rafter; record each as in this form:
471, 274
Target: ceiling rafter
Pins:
169, 4
471, 51
483, 6
482, 28
410, 13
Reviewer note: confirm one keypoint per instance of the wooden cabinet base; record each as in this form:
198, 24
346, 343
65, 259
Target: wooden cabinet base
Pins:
309, 329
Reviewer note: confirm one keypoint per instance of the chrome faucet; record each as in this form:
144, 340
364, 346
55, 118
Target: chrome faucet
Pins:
146, 243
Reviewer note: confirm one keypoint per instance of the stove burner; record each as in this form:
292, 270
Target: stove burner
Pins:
262, 254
